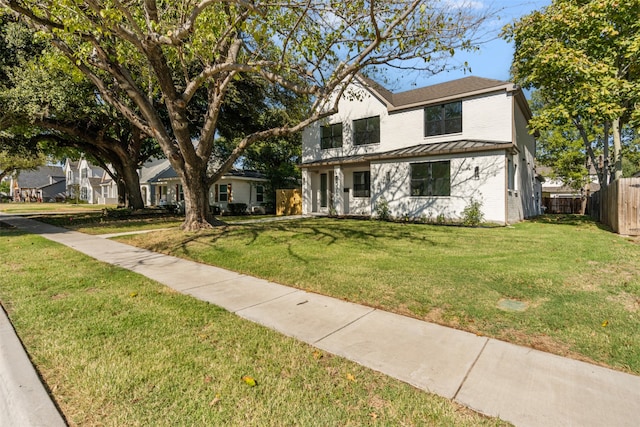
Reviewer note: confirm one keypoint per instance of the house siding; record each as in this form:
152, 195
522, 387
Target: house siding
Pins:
464, 187
492, 118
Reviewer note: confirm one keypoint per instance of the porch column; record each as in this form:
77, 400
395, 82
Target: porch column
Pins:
338, 195
307, 193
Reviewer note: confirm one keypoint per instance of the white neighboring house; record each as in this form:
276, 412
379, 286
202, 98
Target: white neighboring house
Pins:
89, 181
427, 152
161, 186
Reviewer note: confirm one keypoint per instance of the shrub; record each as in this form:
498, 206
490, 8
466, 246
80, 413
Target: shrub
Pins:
237, 208
116, 213
383, 213
472, 215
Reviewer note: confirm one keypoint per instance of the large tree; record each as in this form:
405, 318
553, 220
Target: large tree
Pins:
44, 97
150, 59
583, 56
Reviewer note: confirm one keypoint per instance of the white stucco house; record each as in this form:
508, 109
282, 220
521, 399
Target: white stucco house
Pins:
92, 183
160, 186
426, 152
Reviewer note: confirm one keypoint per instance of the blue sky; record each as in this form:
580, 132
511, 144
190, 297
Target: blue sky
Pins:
493, 60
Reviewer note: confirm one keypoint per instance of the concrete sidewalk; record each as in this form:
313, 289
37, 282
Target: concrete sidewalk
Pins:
517, 384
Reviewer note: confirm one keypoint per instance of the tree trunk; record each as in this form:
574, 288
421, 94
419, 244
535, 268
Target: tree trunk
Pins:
128, 182
132, 184
617, 148
605, 155
196, 199
122, 192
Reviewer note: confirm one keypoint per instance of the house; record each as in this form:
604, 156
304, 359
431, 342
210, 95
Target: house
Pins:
426, 153
44, 184
89, 183
161, 186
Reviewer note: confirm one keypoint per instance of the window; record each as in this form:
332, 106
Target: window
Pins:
259, 193
331, 136
83, 173
366, 131
84, 194
323, 190
223, 195
443, 119
511, 170
361, 184
431, 179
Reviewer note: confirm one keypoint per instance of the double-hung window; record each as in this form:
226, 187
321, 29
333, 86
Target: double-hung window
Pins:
361, 184
223, 194
366, 131
443, 119
331, 136
431, 179
259, 193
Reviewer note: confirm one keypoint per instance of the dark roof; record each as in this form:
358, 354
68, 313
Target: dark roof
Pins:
95, 182
425, 95
158, 170
422, 150
39, 177
245, 174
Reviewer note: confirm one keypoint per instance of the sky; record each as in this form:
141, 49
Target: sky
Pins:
492, 61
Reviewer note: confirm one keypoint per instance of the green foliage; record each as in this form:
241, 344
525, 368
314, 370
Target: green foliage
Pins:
472, 214
383, 212
583, 57
174, 68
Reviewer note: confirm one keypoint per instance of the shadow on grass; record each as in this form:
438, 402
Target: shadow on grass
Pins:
569, 219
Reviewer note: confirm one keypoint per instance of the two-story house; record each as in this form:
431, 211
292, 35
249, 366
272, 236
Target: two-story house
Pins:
426, 152
88, 182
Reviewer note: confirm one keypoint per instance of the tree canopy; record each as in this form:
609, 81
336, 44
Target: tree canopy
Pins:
582, 56
150, 59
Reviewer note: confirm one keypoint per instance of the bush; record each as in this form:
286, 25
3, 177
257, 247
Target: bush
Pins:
383, 213
237, 208
116, 213
215, 210
472, 215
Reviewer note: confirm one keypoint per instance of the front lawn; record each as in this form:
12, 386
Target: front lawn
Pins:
115, 348
580, 284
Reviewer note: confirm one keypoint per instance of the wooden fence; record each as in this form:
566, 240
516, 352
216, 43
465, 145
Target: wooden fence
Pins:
562, 205
619, 206
288, 202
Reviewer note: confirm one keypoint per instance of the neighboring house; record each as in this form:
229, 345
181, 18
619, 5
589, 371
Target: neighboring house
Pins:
84, 180
426, 152
108, 192
44, 184
160, 186
559, 198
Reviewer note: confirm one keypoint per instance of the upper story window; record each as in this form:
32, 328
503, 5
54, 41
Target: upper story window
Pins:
431, 179
366, 131
443, 119
83, 173
331, 136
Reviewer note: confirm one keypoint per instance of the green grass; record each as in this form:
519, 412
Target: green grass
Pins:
50, 207
573, 275
116, 348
